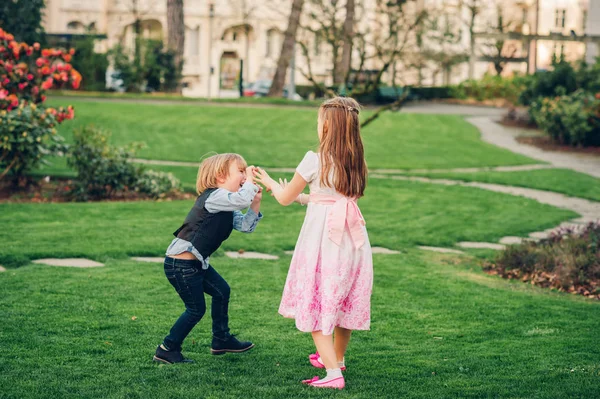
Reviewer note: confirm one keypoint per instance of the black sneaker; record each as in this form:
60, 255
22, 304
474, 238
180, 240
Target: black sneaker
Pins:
169, 357
220, 347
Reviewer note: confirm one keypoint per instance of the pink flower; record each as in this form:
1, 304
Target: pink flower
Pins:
3, 94
30, 76
47, 84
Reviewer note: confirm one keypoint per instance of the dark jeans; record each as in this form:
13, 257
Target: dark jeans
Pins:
191, 282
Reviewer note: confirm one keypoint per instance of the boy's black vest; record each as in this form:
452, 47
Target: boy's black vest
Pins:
206, 231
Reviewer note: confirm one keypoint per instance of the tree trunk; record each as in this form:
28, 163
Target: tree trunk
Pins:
287, 48
344, 67
176, 33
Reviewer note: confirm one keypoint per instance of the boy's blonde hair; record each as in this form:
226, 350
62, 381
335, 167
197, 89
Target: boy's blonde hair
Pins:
214, 167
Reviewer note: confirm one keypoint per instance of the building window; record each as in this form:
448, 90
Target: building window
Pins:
558, 51
560, 17
75, 27
524, 17
192, 41
234, 36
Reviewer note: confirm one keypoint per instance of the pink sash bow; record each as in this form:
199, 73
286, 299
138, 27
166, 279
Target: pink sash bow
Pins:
344, 210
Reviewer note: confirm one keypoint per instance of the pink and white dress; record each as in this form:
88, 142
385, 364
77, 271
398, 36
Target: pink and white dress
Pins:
331, 275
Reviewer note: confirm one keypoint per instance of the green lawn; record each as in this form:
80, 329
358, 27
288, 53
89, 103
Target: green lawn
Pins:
54, 94
440, 327
280, 137
438, 331
563, 181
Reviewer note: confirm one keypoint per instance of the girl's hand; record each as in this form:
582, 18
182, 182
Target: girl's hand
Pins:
283, 183
262, 177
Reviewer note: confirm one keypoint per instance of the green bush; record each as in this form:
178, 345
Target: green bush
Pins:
568, 260
429, 93
572, 119
27, 134
102, 170
561, 80
91, 65
157, 184
155, 69
491, 87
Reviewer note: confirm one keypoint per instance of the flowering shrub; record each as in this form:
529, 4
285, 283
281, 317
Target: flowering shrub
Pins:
572, 119
27, 128
27, 133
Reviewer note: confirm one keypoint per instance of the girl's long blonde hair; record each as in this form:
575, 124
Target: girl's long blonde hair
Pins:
214, 167
341, 147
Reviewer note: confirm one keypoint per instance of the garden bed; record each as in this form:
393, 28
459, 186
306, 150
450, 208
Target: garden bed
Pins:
568, 261
59, 190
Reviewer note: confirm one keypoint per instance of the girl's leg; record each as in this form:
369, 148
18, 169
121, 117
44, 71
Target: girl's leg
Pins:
341, 339
324, 344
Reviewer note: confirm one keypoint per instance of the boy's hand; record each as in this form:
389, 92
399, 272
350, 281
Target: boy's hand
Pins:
250, 173
255, 205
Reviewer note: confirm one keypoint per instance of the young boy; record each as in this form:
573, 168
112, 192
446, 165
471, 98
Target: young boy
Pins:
225, 186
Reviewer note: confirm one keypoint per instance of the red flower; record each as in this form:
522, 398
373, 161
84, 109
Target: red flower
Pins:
67, 57
22, 85
30, 76
6, 81
47, 84
45, 71
8, 68
39, 62
45, 53
72, 51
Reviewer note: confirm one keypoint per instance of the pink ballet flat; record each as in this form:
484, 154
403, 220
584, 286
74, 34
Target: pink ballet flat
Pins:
311, 380
336, 383
315, 360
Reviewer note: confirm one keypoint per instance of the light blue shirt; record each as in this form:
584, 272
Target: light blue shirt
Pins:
222, 200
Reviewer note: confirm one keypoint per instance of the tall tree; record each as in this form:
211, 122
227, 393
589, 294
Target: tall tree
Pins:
176, 33
23, 19
343, 69
287, 49
474, 9
501, 51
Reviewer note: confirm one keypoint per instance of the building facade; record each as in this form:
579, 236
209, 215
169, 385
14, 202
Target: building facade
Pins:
221, 33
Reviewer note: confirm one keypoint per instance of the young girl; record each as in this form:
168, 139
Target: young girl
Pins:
225, 186
328, 287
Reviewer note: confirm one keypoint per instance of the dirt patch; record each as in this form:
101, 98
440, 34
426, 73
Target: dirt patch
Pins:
60, 190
